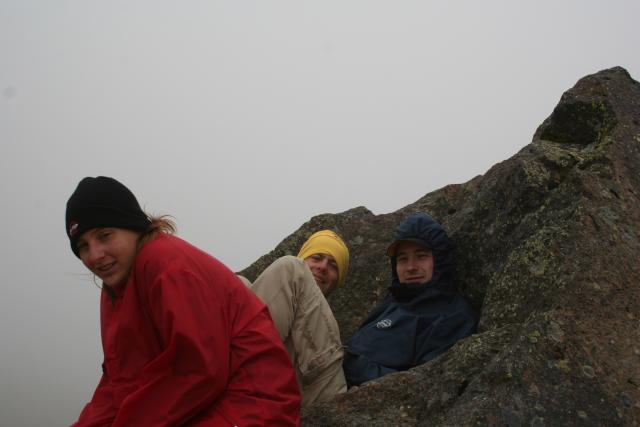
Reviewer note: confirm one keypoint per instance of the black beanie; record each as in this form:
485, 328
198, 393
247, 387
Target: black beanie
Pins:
102, 202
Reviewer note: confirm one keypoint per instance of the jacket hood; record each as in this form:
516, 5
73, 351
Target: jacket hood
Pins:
421, 228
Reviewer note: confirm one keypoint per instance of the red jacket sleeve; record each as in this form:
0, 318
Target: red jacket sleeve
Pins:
192, 370
100, 411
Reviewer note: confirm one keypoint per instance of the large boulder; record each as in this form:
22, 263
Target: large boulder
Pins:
548, 251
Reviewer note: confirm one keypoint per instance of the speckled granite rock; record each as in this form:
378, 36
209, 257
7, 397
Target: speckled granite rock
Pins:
548, 250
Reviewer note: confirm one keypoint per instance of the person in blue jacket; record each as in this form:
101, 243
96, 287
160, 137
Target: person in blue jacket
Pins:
422, 316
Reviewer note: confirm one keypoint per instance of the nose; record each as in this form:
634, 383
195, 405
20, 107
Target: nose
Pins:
411, 264
323, 264
94, 252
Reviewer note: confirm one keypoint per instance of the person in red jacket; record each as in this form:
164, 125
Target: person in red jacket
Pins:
184, 341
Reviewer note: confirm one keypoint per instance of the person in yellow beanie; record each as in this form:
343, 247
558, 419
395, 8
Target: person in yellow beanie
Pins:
295, 290
322, 247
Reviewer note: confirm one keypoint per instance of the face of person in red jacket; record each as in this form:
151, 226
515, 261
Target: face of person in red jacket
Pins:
325, 271
109, 253
414, 263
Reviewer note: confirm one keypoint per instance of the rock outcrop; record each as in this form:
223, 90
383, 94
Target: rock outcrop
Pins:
548, 250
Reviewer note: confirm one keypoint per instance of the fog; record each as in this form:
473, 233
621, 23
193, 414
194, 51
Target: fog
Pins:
243, 120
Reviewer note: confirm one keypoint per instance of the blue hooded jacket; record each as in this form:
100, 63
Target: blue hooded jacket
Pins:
415, 322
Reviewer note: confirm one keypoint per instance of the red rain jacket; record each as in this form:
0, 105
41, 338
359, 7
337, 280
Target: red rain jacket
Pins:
186, 343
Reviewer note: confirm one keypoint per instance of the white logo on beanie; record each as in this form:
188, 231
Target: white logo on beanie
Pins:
73, 227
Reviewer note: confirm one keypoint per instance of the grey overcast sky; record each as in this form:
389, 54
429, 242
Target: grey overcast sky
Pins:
245, 118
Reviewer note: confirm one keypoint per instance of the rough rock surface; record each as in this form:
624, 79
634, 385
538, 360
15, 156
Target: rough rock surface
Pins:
548, 249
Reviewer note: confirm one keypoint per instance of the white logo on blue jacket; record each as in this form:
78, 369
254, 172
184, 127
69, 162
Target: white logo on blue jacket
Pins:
384, 324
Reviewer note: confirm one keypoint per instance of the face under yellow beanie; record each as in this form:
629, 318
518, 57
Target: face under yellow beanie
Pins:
328, 242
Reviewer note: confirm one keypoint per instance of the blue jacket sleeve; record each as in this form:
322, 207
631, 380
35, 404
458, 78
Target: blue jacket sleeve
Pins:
444, 335
359, 369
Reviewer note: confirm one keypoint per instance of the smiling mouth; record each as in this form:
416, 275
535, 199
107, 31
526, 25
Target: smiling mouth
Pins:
104, 269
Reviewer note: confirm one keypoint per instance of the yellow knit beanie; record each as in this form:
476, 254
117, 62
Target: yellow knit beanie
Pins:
328, 242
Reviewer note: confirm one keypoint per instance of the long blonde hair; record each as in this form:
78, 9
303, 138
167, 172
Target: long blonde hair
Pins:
159, 224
